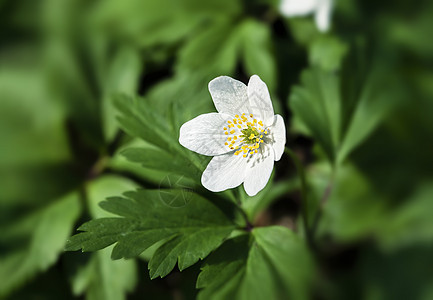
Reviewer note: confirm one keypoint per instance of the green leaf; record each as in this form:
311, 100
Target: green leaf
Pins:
190, 231
257, 55
29, 119
341, 124
140, 121
327, 52
123, 76
272, 192
304, 30
73, 85
214, 50
45, 233
317, 103
101, 277
377, 99
104, 187
354, 209
270, 263
157, 21
182, 97
163, 161
119, 163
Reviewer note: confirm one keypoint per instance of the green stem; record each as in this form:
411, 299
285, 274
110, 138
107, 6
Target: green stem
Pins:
304, 201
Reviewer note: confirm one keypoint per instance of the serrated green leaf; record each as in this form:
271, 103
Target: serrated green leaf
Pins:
119, 163
104, 187
101, 277
140, 121
163, 161
191, 231
137, 120
270, 263
49, 229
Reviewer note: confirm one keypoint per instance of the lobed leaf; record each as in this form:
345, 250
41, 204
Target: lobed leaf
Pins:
166, 154
100, 277
269, 263
341, 124
163, 161
190, 232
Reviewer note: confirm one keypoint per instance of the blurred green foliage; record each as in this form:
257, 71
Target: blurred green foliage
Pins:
92, 95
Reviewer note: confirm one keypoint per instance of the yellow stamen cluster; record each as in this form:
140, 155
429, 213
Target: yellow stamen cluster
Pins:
245, 134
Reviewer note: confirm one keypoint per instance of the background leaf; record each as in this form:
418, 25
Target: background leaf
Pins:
318, 105
48, 230
257, 51
123, 76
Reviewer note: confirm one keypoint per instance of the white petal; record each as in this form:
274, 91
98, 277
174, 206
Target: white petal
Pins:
323, 15
278, 134
229, 95
291, 8
224, 172
259, 171
260, 100
205, 134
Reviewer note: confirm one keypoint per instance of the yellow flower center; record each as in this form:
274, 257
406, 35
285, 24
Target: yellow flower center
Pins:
245, 134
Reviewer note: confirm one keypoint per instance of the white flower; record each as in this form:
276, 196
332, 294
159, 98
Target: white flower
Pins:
321, 8
244, 135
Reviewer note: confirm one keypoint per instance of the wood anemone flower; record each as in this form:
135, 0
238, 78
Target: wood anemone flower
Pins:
244, 136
